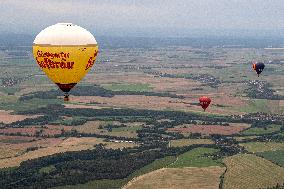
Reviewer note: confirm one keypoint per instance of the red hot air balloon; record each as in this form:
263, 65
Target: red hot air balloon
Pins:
204, 102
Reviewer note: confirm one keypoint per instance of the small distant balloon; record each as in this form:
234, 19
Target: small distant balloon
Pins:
258, 67
204, 102
65, 52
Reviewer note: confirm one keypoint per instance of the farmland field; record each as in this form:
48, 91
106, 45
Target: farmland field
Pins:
99, 127
7, 117
135, 121
128, 87
249, 171
70, 144
263, 146
262, 131
189, 177
198, 157
118, 183
274, 156
210, 129
188, 142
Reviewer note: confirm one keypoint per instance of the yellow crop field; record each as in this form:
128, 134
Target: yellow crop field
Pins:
179, 178
249, 171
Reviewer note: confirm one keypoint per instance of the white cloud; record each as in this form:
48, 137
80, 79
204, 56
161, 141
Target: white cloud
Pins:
138, 15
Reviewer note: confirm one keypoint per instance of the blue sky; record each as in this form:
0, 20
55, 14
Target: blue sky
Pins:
171, 18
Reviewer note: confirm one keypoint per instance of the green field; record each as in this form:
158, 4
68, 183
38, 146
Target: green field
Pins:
11, 103
75, 120
274, 156
188, 142
262, 131
128, 87
242, 138
256, 105
127, 129
197, 157
157, 164
9, 90
47, 169
263, 146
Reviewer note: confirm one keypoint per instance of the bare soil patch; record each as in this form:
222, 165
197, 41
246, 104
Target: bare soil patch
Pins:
6, 117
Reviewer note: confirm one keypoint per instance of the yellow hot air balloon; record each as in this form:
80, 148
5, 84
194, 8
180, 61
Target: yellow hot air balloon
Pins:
65, 52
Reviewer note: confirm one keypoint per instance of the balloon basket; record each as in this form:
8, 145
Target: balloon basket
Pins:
66, 97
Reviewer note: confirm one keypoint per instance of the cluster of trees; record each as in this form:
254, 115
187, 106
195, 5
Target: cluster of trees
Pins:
154, 129
41, 120
228, 146
80, 167
75, 133
207, 79
109, 127
93, 90
278, 186
77, 167
53, 111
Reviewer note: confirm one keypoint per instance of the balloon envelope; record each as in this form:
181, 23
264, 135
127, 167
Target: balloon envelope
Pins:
258, 67
204, 102
65, 52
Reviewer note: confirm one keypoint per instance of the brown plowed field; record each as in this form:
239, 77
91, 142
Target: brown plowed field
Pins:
6, 117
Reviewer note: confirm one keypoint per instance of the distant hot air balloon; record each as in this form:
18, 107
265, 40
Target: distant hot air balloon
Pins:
65, 52
258, 67
204, 102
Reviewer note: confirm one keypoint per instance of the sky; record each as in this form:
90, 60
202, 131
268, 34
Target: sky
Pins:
171, 18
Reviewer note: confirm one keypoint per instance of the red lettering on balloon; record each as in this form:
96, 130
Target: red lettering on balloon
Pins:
91, 60
54, 60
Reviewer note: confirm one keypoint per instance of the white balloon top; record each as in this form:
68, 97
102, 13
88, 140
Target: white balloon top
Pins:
65, 34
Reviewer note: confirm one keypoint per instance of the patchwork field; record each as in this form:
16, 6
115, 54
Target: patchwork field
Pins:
12, 146
146, 102
97, 127
32, 130
249, 171
70, 144
157, 78
7, 117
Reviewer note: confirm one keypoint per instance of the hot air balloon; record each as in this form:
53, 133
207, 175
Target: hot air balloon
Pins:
258, 67
65, 52
204, 102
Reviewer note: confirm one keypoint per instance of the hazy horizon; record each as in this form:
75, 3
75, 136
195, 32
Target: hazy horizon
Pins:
161, 18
